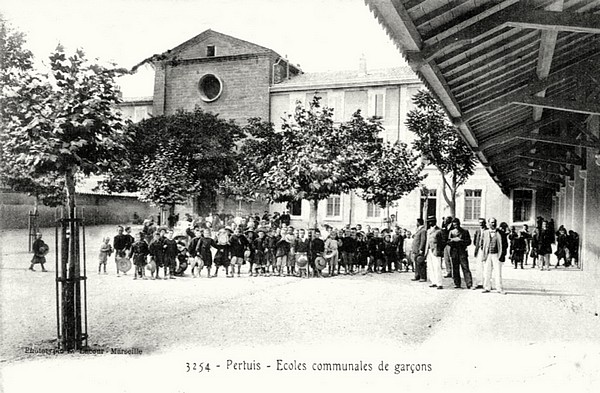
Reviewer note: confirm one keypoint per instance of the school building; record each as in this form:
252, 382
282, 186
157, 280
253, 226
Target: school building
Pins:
520, 81
238, 80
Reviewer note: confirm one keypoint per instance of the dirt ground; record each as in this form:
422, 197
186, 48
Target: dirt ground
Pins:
543, 332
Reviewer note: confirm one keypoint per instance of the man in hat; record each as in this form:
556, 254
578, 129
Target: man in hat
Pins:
459, 240
436, 242
419, 246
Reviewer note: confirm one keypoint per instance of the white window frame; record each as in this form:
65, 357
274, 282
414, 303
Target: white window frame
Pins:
339, 204
374, 208
372, 95
475, 217
338, 107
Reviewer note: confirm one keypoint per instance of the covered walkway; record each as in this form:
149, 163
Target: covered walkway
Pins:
521, 81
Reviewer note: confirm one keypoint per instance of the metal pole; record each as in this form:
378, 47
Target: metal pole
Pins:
56, 222
84, 280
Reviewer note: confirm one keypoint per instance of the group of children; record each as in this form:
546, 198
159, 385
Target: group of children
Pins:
281, 251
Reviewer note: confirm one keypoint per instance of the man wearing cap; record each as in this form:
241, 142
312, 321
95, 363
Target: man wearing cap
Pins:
436, 243
459, 239
419, 245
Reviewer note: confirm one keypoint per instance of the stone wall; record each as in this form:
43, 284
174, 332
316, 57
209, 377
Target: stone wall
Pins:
97, 209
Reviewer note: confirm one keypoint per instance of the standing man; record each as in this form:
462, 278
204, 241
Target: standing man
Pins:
491, 248
545, 240
435, 252
459, 240
479, 261
446, 227
419, 246
527, 239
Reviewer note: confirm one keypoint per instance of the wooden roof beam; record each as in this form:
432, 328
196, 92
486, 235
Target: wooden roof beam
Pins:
557, 140
555, 158
590, 108
546, 53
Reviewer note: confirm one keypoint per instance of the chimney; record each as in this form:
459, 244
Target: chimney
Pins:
362, 65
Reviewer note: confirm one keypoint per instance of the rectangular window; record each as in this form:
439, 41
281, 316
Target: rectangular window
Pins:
295, 208
522, 204
379, 109
377, 103
472, 205
210, 51
373, 211
335, 101
334, 206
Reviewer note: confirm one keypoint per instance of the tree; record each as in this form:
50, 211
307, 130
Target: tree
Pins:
394, 172
440, 143
174, 157
63, 123
15, 63
310, 158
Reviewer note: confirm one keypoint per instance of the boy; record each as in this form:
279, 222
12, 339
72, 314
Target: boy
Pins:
139, 252
238, 244
222, 255
170, 254
194, 259
291, 258
282, 250
316, 249
40, 249
157, 253
121, 242
260, 245
301, 249
204, 253
105, 251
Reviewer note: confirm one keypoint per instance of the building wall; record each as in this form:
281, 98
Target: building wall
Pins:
97, 209
398, 103
245, 82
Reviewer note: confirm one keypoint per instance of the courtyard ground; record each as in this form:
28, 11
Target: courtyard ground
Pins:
542, 334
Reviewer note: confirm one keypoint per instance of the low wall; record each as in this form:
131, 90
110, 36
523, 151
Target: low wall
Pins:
97, 210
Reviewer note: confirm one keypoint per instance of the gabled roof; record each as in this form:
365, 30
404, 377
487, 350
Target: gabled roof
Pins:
333, 79
243, 47
252, 48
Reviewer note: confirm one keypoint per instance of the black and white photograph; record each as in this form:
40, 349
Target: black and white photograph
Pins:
300, 196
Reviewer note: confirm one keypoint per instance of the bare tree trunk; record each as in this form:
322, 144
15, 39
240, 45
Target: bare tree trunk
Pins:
71, 299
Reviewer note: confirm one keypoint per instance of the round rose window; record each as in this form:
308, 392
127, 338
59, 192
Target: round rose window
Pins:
211, 87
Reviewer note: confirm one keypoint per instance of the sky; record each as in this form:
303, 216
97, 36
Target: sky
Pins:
319, 35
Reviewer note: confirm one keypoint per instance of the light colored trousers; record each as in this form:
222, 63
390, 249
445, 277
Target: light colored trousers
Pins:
479, 264
492, 265
434, 269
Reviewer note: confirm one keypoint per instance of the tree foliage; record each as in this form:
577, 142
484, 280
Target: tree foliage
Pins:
64, 122
440, 143
16, 62
313, 158
174, 157
395, 173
